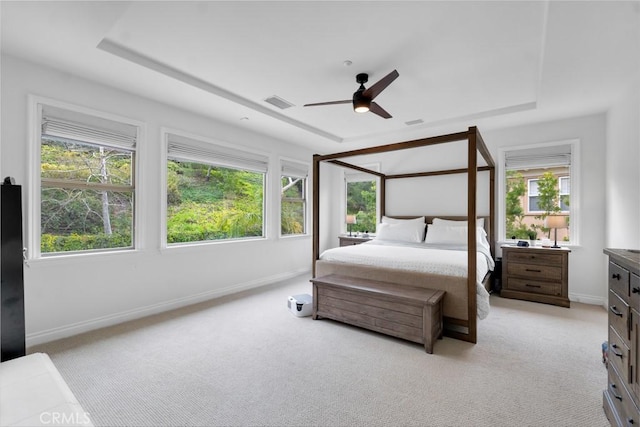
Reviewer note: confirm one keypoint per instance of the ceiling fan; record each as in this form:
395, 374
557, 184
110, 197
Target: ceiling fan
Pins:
363, 97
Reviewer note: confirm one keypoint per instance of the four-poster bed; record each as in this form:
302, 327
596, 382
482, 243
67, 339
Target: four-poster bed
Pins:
460, 304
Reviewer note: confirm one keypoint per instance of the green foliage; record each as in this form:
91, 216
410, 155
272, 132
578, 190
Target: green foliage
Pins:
212, 203
361, 201
82, 242
73, 218
292, 216
547, 201
548, 197
513, 205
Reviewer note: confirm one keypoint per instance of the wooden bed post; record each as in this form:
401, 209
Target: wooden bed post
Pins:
472, 190
316, 213
383, 193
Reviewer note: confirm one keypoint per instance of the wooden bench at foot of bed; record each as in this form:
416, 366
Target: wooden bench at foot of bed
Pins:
407, 312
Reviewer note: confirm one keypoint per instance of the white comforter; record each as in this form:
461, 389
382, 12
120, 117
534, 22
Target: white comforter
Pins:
447, 260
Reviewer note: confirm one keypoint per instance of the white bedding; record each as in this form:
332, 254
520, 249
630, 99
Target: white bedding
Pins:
449, 260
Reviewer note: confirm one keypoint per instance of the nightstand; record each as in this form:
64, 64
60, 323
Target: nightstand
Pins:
352, 240
536, 274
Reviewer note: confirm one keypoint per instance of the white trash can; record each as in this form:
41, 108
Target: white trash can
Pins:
300, 305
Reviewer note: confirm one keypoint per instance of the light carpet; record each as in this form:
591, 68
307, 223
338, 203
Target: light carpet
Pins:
245, 360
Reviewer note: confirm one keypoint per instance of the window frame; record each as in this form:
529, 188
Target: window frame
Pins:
165, 133
34, 181
574, 194
303, 166
560, 178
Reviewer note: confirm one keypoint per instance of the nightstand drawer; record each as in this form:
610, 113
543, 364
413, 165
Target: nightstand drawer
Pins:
535, 272
535, 258
352, 240
533, 286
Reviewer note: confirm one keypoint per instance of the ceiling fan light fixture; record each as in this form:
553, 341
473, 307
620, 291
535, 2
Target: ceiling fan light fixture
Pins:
360, 103
362, 108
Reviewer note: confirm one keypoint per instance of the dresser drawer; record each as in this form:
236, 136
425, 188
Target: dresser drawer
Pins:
533, 286
619, 355
619, 316
535, 258
634, 286
621, 398
534, 271
619, 280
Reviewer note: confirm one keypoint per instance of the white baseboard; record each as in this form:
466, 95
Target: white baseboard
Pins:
588, 299
65, 331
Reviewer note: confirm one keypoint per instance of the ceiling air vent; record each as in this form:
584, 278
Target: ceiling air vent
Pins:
278, 102
414, 122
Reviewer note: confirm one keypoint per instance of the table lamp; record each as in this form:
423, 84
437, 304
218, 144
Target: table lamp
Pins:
555, 222
351, 219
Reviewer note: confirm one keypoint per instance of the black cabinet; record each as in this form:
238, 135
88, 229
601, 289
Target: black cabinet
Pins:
12, 322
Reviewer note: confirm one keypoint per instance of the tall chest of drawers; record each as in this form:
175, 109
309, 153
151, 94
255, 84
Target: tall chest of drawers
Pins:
621, 397
536, 274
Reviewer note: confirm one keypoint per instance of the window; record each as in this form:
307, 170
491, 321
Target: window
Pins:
214, 192
565, 193
293, 198
361, 200
536, 184
533, 195
87, 182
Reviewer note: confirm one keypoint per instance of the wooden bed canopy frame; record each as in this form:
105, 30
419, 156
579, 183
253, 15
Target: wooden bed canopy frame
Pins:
475, 145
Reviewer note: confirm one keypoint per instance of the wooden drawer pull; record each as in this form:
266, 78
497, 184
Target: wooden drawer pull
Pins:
615, 311
533, 270
532, 286
613, 347
616, 276
612, 389
635, 290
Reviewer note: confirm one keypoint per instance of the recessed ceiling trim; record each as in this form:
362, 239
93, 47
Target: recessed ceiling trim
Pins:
460, 119
144, 61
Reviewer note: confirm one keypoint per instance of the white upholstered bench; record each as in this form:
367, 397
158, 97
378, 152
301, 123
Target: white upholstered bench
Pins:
33, 393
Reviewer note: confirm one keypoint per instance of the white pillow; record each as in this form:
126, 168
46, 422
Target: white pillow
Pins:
403, 232
389, 220
440, 221
453, 234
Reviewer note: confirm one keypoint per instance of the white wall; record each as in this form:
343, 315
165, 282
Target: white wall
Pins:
74, 294
587, 281
623, 172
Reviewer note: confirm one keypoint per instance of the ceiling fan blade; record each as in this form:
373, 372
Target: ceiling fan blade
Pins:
377, 109
346, 101
374, 90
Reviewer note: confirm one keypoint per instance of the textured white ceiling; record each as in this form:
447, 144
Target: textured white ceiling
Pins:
490, 64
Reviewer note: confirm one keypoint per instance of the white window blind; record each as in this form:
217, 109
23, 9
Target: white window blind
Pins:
294, 169
191, 150
72, 125
551, 156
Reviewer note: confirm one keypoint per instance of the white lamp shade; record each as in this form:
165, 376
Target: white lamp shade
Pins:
555, 221
351, 219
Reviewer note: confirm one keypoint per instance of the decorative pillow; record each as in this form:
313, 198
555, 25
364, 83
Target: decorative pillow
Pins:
389, 220
402, 232
453, 234
440, 221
